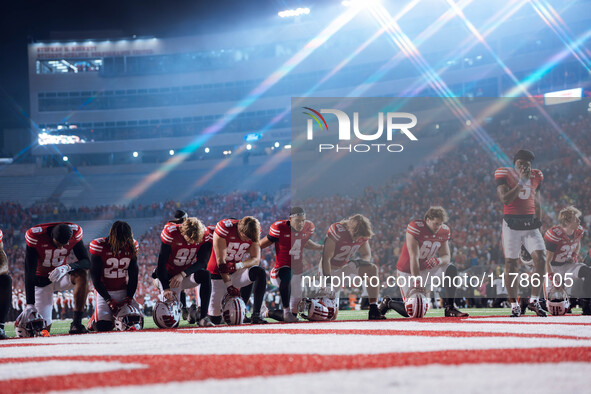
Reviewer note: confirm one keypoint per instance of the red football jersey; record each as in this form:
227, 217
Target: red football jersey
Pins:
211, 231
114, 275
345, 248
236, 248
429, 244
183, 254
290, 244
561, 244
49, 256
1, 235
524, 203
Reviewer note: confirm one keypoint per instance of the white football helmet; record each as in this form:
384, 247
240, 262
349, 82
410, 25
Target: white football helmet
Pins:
318, 309
233, 310
167, 314
129, 318
29, 324
416, 304
556, 300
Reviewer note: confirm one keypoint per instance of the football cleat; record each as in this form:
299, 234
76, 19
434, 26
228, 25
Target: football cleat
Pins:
289, 317
384, 306
78, 328
185, 312
451, 311
256, 319
374, 313
194, 312
3, 334
536, 307
206, 322
516, 311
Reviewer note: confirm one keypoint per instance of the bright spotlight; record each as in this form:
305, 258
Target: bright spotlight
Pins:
292, 13
171, 152
276, 144
248, 147
135, 154
287, 146
65, 158
206, 150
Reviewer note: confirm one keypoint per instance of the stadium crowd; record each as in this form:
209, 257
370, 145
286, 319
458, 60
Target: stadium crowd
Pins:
461, 181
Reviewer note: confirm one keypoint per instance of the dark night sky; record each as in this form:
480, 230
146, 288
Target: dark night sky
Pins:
24, 20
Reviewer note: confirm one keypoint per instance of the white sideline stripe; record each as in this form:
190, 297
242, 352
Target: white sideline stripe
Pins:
158, 343
440, 379
37, 369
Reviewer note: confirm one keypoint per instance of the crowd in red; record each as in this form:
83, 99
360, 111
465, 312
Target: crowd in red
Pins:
462, 181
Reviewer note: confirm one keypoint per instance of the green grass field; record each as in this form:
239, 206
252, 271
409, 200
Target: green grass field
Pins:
62, 326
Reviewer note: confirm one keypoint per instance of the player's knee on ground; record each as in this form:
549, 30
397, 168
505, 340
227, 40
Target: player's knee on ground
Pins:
104, 325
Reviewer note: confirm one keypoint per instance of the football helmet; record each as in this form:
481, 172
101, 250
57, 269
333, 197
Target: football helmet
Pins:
167, 314
318, 309
29, 324
233, 310
556, 300
129, 318
416, 304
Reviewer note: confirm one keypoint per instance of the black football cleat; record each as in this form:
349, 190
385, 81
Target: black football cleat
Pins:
256, 319
451, 311
374, 313
78, 329
193, 313
3, 334
206, 322
536, 307
515, 311
384, 306
185, 313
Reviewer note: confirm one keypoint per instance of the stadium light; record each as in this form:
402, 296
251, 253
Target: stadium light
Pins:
65, 158
135, 154
292, 13
276, 144
248, 147
171, 152
206, 150
287, 146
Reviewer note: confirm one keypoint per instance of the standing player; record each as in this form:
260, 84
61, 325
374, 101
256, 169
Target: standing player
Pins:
517, 189
343, 240
290, 238
47, 270
182, 262
5, 288
426, 253
563, 243
114, 273
234, 263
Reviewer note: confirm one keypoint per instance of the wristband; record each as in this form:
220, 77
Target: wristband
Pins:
183, 274
239, 266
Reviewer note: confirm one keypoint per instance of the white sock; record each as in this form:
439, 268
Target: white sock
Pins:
514, 305
534, 299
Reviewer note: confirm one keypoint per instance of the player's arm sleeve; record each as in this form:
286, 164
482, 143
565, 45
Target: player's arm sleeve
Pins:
30, 269
165, 251
81, 254
202, 258
133, 272
96, 268
268, 241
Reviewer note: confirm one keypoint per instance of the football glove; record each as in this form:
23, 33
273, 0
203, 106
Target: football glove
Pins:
233, 291
114, 306
59, 272
432, 262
